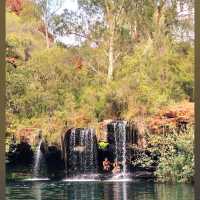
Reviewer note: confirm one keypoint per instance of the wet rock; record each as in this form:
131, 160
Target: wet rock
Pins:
143, 175
20, 154
79, 147
54, 162
108, 152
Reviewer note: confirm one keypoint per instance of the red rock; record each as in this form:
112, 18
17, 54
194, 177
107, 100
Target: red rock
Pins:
14, 5
173, 116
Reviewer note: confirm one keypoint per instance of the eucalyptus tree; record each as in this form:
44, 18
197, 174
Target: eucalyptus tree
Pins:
182, 20
118, 25
48, 9
111, 24
97, 21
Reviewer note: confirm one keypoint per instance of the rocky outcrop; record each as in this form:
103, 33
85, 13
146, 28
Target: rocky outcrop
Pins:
20, 154
79, 148
178, 117
54, 163
135, 132
135, 144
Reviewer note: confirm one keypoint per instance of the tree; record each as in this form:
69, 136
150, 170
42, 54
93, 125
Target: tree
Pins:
103, 16
48, 9
114, 16
117, 26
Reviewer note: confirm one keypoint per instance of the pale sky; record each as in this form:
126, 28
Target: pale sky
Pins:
72, 5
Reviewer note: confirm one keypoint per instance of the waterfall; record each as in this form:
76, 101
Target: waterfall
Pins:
120, 143
124, 148
37, 160
82, 151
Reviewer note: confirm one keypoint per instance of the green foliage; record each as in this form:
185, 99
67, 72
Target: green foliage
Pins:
142, 161
32, 11
58, 84
154, 78
154, 73
23, 34
50, 82
176, 163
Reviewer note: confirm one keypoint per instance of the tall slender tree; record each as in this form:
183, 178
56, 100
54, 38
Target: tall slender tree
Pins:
119, 24
49, 8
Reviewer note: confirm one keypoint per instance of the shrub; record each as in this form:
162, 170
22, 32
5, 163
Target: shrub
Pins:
176, 163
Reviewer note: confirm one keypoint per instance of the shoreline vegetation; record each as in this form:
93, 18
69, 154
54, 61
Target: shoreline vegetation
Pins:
135, 63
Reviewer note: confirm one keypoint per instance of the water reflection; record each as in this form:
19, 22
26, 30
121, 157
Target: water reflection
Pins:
115, 191
80, 191
37, 190
98, 191
169, 192
124, 191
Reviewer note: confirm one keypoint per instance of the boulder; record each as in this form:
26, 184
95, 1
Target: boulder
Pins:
20, 154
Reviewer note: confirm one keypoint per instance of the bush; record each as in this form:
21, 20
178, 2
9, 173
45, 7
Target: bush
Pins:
176, 163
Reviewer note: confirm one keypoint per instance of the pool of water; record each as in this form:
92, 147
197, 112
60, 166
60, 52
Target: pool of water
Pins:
91, 190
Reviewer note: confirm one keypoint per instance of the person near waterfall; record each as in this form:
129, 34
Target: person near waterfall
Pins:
116, 167
106, 164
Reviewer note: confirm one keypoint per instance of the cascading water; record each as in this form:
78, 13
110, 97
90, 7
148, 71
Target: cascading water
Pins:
82, 152
37, 160
120, 143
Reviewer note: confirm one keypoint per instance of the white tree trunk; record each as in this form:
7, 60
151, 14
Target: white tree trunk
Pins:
111, 56
46, 24
46, 35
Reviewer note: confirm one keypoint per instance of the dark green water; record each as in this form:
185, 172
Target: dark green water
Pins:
98, 191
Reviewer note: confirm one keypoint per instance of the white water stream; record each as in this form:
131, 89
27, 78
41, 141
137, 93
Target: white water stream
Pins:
37, 160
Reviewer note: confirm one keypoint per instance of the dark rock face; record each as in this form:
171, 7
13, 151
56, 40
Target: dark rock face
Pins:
134, 150
54, 162
80, 151
137, 154
20, 154
44, 147
105, 153
120, 135
132, 133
